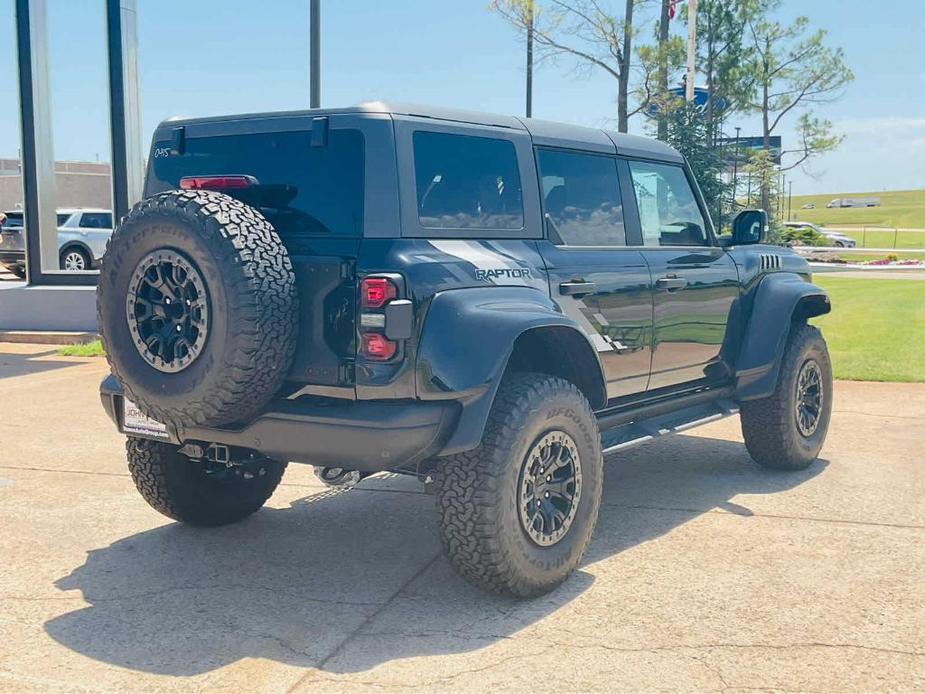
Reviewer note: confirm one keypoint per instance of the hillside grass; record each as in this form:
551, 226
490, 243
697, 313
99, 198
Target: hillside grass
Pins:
876, 330
898, 208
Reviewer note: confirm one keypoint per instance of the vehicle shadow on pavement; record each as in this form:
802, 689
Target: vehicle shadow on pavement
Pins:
347, 581
16, 364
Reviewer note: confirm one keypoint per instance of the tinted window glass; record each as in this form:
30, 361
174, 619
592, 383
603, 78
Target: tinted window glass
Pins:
300, 188
62, 219
466, 182
96, 220
14, 220
668, 210
581, 196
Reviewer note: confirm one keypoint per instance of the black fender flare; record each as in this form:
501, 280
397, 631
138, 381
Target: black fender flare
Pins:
779, 299
467, 340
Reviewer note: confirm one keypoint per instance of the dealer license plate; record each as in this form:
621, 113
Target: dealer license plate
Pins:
136, 422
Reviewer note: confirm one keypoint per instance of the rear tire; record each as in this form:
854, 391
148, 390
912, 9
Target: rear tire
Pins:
197, 308
191, 491
74, 259
786, 430
491, 532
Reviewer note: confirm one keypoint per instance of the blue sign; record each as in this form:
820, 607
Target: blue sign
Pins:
701, 99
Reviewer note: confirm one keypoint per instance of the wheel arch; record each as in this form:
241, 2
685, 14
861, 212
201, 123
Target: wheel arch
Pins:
563, 351
471, 337
780, 300
75, 244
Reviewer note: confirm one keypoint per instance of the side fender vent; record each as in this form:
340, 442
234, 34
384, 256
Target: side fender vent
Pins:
770, 261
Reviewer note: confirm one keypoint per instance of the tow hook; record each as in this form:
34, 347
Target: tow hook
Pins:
341, 478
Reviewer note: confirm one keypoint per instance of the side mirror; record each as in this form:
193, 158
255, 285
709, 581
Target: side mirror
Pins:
749, 227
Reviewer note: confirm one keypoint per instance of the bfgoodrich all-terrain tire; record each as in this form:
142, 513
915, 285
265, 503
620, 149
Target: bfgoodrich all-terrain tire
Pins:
199, 492
517, 513
786, 430
197, 308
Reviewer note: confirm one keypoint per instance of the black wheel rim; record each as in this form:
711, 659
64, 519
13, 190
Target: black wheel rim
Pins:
550, 488
809, 398
168, 310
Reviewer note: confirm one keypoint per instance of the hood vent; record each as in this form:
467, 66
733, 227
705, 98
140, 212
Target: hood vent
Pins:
770, 261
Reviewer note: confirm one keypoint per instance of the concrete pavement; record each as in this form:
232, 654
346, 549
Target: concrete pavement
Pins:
706, 572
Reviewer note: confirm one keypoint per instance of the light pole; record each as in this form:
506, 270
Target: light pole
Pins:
735, 169
530, 60
691, 48
315, 54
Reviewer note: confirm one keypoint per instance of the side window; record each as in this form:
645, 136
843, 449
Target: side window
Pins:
96, 220
62, 219
581, 198
467, 182
668, 210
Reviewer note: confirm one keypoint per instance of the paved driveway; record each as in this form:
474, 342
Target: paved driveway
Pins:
705, 572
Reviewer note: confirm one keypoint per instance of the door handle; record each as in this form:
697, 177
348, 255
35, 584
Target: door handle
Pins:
577, 288
670, 283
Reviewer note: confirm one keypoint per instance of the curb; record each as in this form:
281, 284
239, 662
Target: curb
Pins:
46, 337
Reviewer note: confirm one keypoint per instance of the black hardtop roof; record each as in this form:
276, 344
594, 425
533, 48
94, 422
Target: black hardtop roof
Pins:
542, 132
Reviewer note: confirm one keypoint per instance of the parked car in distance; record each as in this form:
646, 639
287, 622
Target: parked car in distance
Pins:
854, 202
82, 237
835, 238
809, 206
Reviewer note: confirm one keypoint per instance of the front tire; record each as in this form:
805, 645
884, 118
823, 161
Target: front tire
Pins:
197, 492
517, 512
786, 430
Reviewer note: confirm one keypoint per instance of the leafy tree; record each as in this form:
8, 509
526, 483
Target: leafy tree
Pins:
793, 70
687, 131
586, 30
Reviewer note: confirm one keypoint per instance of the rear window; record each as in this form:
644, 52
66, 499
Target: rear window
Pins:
299, 189
466, 182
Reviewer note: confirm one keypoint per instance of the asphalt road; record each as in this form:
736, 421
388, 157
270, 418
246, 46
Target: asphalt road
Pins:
706, 572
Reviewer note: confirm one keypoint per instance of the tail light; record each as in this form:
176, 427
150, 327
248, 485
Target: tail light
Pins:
378, 346
217, 182
376, 293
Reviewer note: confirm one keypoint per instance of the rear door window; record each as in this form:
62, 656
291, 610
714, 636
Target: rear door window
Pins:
581, 198
301, 189
467, 182
95, 220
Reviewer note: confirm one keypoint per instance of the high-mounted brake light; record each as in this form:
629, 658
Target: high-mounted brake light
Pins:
376, 292
378, 346
217, 182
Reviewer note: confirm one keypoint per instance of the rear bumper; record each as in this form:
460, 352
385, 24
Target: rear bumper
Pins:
369, 436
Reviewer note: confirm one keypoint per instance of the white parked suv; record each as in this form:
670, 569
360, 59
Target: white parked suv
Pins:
82, 236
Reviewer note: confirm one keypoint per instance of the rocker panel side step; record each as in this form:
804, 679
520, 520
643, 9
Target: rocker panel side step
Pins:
640, 431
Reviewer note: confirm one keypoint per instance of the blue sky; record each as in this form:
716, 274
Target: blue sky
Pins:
201, 57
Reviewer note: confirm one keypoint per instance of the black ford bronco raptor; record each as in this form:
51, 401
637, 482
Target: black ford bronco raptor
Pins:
488, 303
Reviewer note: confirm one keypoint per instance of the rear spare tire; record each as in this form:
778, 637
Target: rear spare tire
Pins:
197, 308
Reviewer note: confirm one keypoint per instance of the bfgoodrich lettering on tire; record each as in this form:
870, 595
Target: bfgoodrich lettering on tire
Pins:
517, 513
786, 430
197, 308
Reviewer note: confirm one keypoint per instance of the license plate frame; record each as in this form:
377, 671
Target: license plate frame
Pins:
137, 423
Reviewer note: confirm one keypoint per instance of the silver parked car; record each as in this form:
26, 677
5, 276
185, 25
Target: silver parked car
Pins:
82, 236
834, 238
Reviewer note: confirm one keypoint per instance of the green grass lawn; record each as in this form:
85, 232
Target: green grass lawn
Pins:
898, 208
90, 349
876, 331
